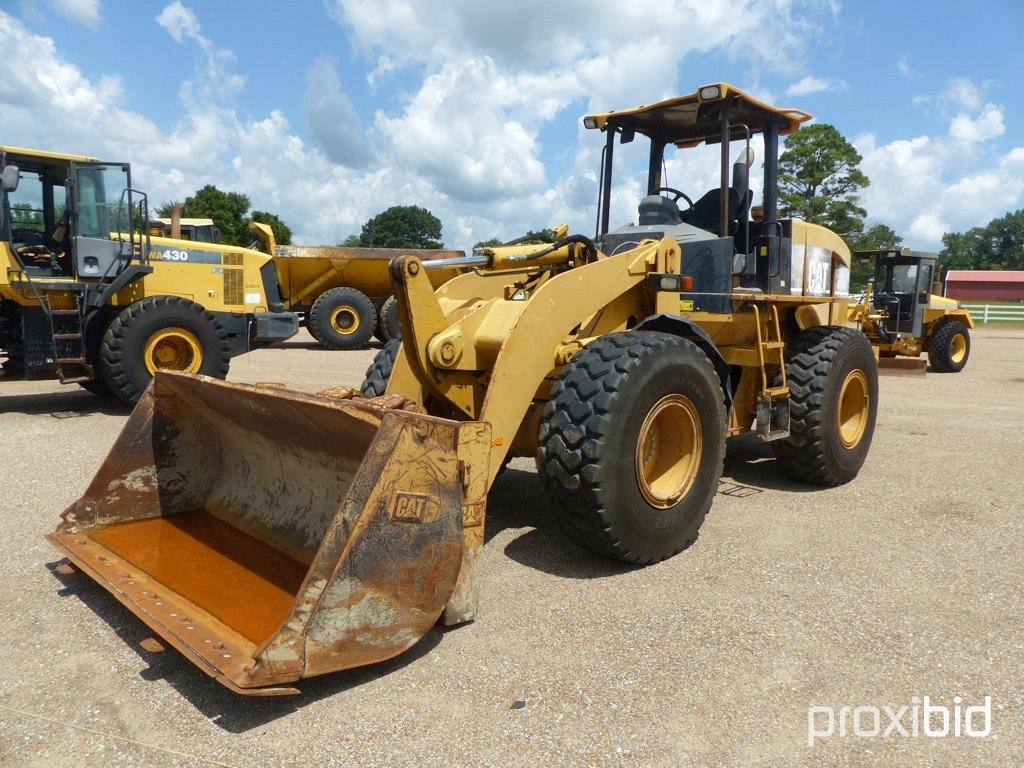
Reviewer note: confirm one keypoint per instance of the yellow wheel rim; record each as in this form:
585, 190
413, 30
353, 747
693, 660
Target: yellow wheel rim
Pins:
173, 349
668, 451
958, 348
854, 405
345, 320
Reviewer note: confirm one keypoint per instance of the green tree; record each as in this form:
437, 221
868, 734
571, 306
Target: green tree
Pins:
997, 245
402, 226
282, 232
166, 209
820, 179
875, 237
227, 209
352, 241
230, 214
489, 243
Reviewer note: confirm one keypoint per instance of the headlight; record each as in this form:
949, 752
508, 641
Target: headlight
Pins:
709, 93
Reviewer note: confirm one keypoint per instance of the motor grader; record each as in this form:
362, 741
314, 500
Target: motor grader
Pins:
89, 296
271, 535
905, 314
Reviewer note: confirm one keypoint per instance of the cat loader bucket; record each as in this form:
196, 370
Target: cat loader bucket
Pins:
271, 535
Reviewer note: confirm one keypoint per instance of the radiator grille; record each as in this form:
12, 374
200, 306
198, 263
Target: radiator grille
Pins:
232, 260
234, 286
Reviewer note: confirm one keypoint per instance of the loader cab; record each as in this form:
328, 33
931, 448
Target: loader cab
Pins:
68, 216
722, 246
902, 289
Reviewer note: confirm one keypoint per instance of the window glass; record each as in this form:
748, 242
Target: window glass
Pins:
102, 208
904, 278
926, 277
27, 206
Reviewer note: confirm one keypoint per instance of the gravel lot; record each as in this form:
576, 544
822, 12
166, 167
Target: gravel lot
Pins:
904, 583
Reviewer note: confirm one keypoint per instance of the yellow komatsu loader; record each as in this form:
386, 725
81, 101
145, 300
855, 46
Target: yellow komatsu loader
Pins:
90, 296
271, 535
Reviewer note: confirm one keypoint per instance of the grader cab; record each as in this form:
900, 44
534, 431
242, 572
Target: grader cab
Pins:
905, 314
620, 363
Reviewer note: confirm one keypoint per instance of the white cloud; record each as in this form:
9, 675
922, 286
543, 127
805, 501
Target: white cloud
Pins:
957, 95
83, 11
540, 33
466, 139
331, 117
988, 125
907, 72
181, 23
183, 26
930, 185
811, 84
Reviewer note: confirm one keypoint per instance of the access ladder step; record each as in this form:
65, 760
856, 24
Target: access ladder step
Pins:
70, 361
776, 393
773, 345
64, 312
67, 336
76, 379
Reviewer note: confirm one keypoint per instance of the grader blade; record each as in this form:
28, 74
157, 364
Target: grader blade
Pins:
902, 366
271, 535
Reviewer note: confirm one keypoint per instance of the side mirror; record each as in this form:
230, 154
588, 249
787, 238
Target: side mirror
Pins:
10, 178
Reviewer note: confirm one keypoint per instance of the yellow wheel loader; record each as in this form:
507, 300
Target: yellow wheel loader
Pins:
905, 315
89, 296
271, 535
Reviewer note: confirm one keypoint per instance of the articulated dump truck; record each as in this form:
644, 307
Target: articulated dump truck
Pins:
271, 535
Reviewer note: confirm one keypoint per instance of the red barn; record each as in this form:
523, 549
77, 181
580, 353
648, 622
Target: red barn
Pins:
985, 285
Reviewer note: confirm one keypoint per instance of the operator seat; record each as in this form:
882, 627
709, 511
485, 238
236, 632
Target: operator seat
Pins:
656, 209
706, 211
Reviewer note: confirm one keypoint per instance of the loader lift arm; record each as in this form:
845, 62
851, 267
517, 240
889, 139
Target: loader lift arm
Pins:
531, 330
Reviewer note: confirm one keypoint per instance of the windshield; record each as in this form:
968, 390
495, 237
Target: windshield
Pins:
904, 278
35, 208
98, 195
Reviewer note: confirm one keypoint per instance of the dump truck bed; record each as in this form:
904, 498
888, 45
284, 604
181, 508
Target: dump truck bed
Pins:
306, 271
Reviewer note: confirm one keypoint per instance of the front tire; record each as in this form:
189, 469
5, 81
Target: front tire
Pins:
342, 318
631, 445
379, 372
833, 383
390, 325
949, 347
161, 333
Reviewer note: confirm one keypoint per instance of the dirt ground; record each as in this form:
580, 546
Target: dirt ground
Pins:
907, 582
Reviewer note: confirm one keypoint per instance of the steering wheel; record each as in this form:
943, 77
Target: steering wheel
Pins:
678, 194
27, 236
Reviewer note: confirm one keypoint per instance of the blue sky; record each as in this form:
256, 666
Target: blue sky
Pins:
327, 112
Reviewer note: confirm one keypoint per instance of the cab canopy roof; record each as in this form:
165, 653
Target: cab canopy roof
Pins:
687, 121
42, 154
52, 165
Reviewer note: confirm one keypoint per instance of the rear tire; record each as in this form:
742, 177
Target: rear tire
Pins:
833, 382
390, 325
379, 372
161, 333
342, 318
631, 445
949, 347
378, 328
